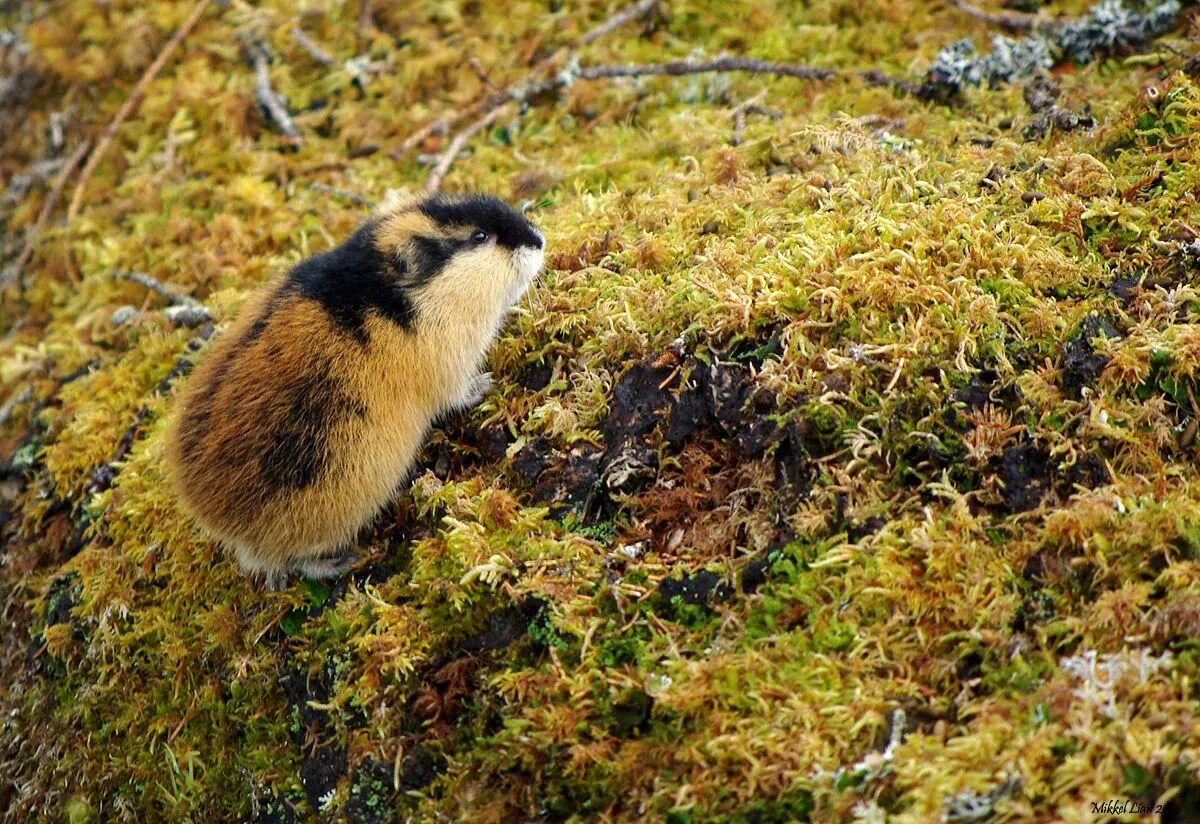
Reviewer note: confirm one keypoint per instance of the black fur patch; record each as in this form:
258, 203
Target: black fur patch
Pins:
494, 216
430, 256
351, 281
259, 326
299, 450
195, 426
197, 422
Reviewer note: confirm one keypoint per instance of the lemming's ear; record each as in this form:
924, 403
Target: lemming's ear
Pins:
399, 200
415, 262
400, 264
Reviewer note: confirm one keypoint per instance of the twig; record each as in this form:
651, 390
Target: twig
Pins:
531, 88
353, 197
739, 116
131, 104
314, 51
765, 111
434, 182
480, 72
104, 475
270, 100
522, 90
160, 288
739, 126
639, 9
1191, 61
734, 63
366, 16
486, 111
20, 183
1011, 21
19, 397
35, 232
189, 316
418, 137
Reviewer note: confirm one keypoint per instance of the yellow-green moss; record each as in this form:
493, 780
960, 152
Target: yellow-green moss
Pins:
909, 280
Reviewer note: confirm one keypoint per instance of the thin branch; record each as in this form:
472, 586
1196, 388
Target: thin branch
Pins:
35, 232
739, 116
1190, 61
366, 16
734, 63
675, 68
523, 89
20, 183
739, 126
531, 88
353, 197
158, 287
639, 9
487, 110
1015, 22
434, 182
131, 105
104, 475
189, 316
19, 397
418, 137
765, 111
480, 72
314, 51
270, 100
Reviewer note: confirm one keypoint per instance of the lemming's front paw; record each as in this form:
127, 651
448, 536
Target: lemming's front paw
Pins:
479, 386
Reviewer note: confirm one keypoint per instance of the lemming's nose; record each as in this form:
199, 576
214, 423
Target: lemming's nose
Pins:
539, 241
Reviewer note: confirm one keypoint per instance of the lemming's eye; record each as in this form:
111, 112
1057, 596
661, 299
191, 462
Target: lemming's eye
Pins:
479, 236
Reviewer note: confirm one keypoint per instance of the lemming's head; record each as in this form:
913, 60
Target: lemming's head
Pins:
458, 251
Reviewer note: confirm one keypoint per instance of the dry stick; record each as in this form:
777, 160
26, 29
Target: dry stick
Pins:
642, 7
529, 89
160, 288
131, 104
739, 116
35, 232
418, 137
719, 64
434, 182
480, 72
366, 15
19, 397
1191, 61
353, 197
19, 184
521, 91
315, 52
676, 68
1012, 21
267, 97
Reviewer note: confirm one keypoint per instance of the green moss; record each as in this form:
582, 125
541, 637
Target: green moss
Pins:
496, 659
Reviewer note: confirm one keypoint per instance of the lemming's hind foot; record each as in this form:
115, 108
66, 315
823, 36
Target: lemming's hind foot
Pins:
474, 391
275, 579
329, 566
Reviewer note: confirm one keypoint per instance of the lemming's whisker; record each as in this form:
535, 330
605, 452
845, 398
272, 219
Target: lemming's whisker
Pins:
534, 292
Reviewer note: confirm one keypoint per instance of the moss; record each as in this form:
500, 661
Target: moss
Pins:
941, 527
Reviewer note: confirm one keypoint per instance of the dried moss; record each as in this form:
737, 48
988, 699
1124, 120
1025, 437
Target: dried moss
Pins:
848, 471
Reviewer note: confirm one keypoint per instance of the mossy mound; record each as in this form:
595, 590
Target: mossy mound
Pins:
847, 471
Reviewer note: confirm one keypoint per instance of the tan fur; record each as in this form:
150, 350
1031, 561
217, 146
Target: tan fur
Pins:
242, 399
